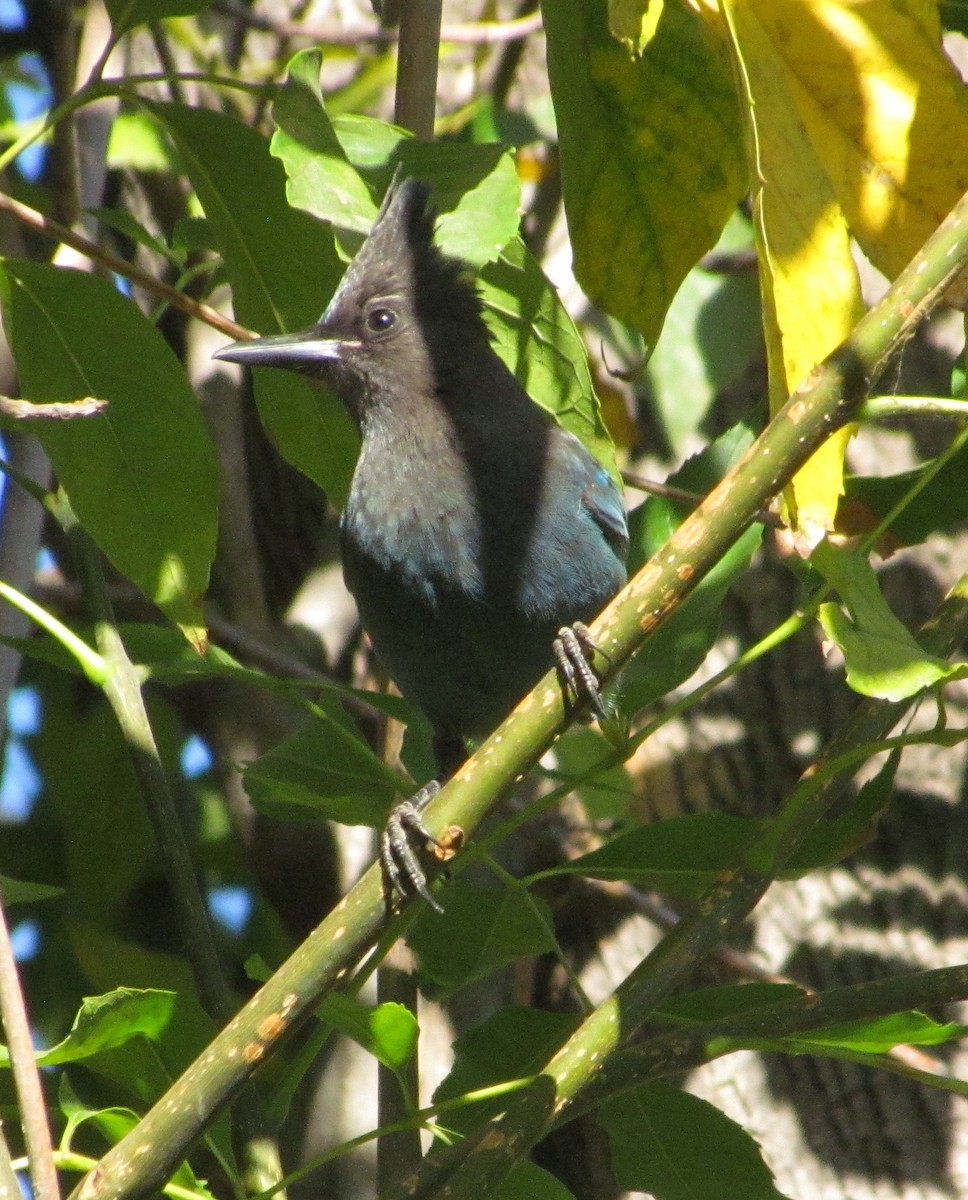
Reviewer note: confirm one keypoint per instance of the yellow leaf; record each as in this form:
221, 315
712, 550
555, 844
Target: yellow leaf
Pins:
811, 294
883, 108
651, 153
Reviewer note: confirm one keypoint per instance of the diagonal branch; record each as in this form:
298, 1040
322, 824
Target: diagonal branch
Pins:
827, 400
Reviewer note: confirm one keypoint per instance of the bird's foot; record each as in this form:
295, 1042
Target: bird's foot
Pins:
399, 853
573, 648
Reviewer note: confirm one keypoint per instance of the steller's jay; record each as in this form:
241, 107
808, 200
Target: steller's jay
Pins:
476, 527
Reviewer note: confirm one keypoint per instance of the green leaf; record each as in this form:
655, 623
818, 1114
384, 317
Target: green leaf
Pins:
106, 1022
283, 268
389, 1031
679, 647
142, 475
651, 154
512, 1044
634, 22
476, 191
881, 1034
654, 522
324, 770
193, 233
678, 1147
45, 648
93, 791
137, 144
475, 187
941, 503
711, 332
369, 143
609, 792
168, 661
681, 856
126, 224
142, 1068
537, 339
481, 929
527, 1181
126, 14
115, 1123
883, 659
319, 177
833, 838
18, 891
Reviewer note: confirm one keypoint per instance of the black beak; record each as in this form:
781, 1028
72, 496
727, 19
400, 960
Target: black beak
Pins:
296, 351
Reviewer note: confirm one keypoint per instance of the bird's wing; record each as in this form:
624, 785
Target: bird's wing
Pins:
604, 503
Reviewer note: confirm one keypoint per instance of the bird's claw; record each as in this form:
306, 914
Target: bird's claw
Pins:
572, 649
398, 854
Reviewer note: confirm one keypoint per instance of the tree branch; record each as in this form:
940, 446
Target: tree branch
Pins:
142, 1160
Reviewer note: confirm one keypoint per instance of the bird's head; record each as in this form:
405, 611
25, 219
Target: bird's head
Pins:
403, 314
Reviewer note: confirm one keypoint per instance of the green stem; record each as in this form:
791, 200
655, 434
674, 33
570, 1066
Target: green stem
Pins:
420, 1119
880, 1062
923, 479
121, 684
397, 1094
880, 407
91, 663
689, 1046
523, 890
98, 89
70, 1160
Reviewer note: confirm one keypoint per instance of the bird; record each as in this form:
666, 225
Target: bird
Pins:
479, 536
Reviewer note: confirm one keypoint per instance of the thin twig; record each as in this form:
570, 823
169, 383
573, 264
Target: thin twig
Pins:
159, 38
731, 262
693, 499
60, 233
57, 410
64, 163
33, 1109
742, 964
9, 1184
469, 32
886, 407
771, 1024
397, 1153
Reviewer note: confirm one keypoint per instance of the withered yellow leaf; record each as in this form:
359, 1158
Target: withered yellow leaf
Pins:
811, 293
883, 108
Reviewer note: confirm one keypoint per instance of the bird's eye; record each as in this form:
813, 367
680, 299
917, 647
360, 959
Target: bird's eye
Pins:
380, 320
